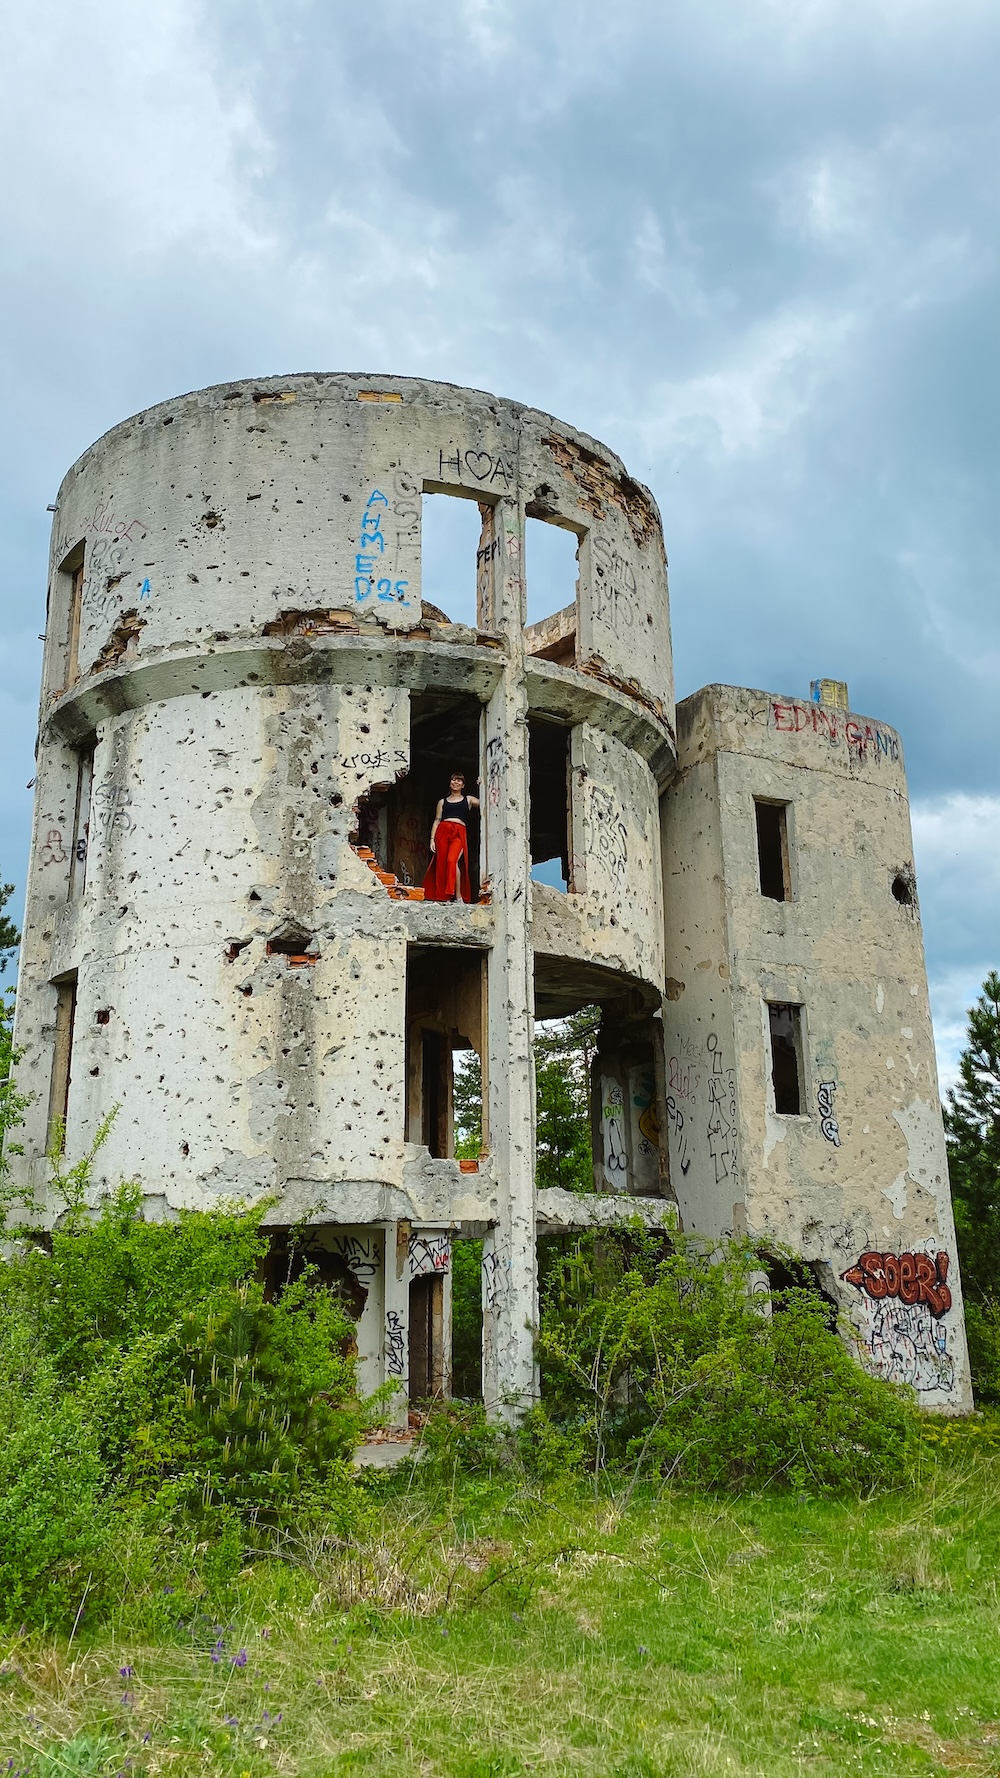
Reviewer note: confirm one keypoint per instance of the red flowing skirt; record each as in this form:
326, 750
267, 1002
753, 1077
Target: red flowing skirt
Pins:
451, 850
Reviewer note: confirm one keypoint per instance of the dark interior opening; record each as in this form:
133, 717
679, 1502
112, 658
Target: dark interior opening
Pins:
394, 820
785, 1273
549, 790
786, 1057
772, 850
426, 1337
289, 1256
294, 944
445, 1008
902, 890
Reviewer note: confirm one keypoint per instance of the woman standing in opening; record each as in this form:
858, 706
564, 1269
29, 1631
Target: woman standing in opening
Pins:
447, 876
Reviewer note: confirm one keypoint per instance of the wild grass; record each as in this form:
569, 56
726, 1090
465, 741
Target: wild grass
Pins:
494, 1626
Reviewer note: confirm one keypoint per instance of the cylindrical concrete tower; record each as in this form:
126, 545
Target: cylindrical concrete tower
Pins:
251, 705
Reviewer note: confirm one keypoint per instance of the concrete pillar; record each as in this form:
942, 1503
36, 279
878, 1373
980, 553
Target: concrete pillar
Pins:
510, 1287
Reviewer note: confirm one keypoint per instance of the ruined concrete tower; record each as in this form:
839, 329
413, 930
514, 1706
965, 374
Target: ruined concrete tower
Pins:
252, 703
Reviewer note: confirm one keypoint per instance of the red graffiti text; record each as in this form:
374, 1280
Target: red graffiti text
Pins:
912, 1277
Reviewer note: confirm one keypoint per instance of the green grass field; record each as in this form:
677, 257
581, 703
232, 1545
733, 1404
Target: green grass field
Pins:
500, 1628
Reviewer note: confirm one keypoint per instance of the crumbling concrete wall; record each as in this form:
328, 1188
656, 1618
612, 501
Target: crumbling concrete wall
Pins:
857, 1182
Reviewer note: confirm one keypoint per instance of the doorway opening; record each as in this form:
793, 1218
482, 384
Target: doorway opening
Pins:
449, 544
445, 1023
427, 1341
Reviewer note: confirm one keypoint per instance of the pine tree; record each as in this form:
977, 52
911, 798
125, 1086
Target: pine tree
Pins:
10, 938
972, 1123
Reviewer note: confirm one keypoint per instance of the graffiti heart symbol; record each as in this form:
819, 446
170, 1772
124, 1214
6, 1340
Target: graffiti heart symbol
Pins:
473, 458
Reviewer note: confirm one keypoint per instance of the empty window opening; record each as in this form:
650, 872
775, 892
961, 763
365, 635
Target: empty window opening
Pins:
445, 1002
550, 789
902, 889
600, 1081
449, 545
467, 1320
81, 824
71, 598
395, 820
785, 1022
550, 572
772, 850
427, 1344
62, 1062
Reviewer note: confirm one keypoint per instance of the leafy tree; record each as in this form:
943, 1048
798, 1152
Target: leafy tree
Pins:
972, 1123
564, 1050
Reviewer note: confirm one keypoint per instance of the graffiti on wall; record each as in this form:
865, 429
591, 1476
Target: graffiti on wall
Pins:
483, 467
112, 805
865, 740
677, 1124
613, 1132
904, 1298
495, 1278
721, 1129
609, 837
645, 1129
615, 589
362, 1255
494, 770
428, 1254
395, 1344
824, 1101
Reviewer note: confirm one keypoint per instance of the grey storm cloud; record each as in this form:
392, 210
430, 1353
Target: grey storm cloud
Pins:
751, 244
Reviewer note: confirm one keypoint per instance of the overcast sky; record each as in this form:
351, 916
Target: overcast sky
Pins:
751, 244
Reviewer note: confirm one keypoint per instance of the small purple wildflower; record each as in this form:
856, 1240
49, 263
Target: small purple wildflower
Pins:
231, 1722
147, 1737
643, 1650
240, 1658
128, 1699
127, 1672
170, 1589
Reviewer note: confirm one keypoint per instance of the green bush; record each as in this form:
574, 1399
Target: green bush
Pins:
142, 1371
682, 1365
54, 1490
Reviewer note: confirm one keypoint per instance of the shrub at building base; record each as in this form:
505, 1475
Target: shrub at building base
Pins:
684, 1367
145, 1379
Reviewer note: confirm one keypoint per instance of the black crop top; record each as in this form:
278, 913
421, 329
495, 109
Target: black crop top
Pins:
455, 811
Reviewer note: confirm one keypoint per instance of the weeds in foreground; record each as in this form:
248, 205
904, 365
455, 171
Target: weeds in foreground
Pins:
501, 1624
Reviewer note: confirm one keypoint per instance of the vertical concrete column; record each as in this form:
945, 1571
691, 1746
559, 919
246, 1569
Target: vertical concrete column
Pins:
396, 1320
509, 1269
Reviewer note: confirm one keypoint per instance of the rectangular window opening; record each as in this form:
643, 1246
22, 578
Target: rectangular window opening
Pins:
549, 792
395, 818
62, 1060
785, 1023
772, 850
71, 597
450, 538
81, 824
551, 555
445, 1010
